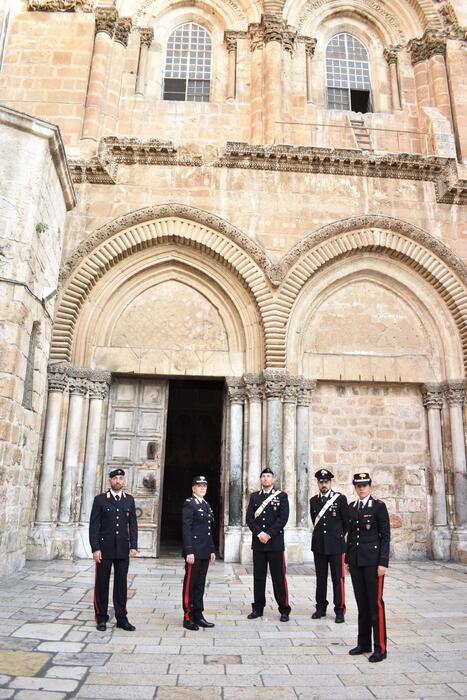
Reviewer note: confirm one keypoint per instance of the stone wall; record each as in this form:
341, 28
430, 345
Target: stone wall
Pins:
35, 192
379, 429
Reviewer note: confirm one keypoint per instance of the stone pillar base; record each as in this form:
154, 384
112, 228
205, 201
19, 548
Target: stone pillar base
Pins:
233, 537
82, 548
440, 543
41, 542
64, 540
298, 545
459, 545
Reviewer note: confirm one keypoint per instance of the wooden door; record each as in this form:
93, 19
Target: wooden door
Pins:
136, 442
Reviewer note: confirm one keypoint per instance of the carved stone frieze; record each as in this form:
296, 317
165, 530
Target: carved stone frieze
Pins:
254, 387
275, 381
59, 5
432, 43
146, 36
454, 392
236, 389
305, 391
106, 18
272, 28
433, 396
57, 377
122, 30
93, 170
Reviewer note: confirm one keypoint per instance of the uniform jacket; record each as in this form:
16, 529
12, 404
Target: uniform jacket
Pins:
369, 534
197, 519
272, 520
329, 534
113, 527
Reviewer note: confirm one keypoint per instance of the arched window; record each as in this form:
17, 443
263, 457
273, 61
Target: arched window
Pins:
187, 75
348, 74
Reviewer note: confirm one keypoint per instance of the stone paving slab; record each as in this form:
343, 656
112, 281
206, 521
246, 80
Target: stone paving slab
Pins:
48, 625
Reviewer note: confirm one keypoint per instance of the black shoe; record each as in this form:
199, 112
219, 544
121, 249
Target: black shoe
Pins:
190, 625
284, 617
377, 656
254, 614
359, 650
204, 623
318, 614
125, 625
339, 616
101, 626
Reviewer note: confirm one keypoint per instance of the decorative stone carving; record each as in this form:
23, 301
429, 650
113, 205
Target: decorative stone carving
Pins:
236, 389
254, 387
77, 385
391, 54
433, 396
231, 39
98, 390
291, 389
57, 376
106, 18
275, 381
122, 30
454, 392
146, 36
305, 391
432, 43
310, 44
59, 5
272, 28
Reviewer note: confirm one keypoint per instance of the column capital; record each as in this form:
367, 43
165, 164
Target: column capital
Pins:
391, 54
454, 392
310, 44
78, 386
57, 377
433, 396
146, 36
432, 43
291, 389
231, 38
98, 390
254, 387
272, 28
122, 30
274, 382
106, 18
236, 389
306, 389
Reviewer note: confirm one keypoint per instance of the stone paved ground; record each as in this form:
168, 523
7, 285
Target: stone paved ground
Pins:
50, 649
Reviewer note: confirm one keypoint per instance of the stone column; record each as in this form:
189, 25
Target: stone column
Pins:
418, 57
57, 382
231, 43
289, 480
255, 33
303, 450
146, 39
274, 385
106, 18
236, 390
254, 392
310, 45
440, 534
455, 396
391, 56
78, 387
112, 106
272, 73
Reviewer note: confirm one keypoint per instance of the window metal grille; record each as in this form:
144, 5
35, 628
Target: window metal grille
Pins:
187, 75
347, 73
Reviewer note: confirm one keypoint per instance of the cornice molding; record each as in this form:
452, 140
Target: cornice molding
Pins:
59, 5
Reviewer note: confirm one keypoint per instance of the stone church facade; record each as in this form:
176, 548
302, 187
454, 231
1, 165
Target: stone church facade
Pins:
233, 235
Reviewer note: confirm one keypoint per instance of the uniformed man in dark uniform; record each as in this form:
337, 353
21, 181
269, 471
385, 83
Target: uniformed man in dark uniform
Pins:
113, 534
368, 559
266, 516
198, 550
330, 515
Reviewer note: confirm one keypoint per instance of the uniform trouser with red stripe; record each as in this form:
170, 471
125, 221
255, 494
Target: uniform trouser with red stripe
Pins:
193, 588
276, 561
368, 589
101, 589
335, 562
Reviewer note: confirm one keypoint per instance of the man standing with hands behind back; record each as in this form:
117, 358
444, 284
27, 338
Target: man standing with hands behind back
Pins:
368, 559
113, 535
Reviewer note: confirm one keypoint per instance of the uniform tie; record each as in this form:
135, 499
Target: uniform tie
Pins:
117, 497
360, 506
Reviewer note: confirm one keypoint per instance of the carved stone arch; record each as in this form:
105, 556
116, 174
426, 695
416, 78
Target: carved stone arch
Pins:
144, 229
231, 13
430, 258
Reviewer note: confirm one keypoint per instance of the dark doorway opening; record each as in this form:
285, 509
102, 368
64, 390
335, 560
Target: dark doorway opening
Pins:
193, 447
360, 101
